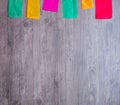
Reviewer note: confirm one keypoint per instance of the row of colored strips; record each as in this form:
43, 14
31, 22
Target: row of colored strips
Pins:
69, 7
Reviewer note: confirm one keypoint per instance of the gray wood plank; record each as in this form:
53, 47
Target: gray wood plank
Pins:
4, 58
56, 61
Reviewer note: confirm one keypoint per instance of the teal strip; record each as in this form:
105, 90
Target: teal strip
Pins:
15, 8
70, 8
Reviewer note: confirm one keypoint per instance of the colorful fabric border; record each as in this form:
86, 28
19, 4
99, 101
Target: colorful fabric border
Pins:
15, 8
103, 9
87, 4
51, 5
70, 8
33, 9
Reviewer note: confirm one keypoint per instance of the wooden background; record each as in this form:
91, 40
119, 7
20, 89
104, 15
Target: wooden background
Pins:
56, 61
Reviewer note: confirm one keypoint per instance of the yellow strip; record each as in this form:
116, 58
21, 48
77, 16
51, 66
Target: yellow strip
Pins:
33, 9
87, 4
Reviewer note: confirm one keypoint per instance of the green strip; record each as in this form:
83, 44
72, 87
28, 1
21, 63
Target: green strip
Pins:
15, 8
70, 8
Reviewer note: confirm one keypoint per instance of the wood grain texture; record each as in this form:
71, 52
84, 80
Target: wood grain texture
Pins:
56, 61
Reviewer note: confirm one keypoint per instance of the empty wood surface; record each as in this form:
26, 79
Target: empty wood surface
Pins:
56, 61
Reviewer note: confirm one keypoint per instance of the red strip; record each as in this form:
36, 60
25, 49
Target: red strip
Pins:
103, 9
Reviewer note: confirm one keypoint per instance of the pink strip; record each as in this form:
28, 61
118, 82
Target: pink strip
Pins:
50, 5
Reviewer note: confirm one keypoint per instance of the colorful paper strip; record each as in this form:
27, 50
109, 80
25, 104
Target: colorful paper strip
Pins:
50, 5
15, 8
103, 9
70, 8
87, 4
33, 9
